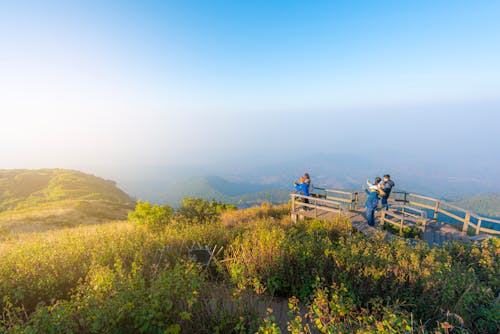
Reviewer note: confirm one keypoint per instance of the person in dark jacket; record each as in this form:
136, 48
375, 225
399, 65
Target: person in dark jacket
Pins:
387, 186
371, 204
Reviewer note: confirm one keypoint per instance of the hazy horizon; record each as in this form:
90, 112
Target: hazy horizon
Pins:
231, 85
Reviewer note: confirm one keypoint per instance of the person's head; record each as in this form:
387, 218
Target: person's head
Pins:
377, 180
306, 176
387, 177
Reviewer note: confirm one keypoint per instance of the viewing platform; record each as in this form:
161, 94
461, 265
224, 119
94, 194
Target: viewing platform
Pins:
436, 221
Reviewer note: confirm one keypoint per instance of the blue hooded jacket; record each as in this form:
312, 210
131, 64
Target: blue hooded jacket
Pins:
303, 188
372, 200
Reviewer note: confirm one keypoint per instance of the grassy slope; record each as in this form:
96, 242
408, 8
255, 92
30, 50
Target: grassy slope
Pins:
34, 200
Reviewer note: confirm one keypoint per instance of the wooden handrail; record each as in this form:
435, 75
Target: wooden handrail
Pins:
490, 220
411, 199
316, 199
315, 203
423, 197
338, 191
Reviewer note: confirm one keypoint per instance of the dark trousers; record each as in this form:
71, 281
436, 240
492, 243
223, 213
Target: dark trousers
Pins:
370, 216
385, 205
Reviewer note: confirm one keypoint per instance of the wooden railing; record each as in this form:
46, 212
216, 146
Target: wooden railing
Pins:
411, 205
404, 216
445, 212
316, 205
348, 199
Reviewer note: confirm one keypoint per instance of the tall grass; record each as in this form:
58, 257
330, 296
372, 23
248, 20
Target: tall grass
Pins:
124, 278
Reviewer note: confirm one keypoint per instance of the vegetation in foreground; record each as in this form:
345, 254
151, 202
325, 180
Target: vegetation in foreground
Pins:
136, 277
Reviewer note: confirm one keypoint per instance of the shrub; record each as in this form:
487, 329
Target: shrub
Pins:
284, 261
153, 216
408, 231
46, 267
201, 211
121, 302
332, 310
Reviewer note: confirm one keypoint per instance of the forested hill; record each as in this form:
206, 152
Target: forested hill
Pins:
487, 204
241, 194
52, 198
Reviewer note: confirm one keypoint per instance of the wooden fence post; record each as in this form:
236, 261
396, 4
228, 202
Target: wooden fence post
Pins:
401, 226
315, 208
436, 210
478, 226
466, 223
382, 217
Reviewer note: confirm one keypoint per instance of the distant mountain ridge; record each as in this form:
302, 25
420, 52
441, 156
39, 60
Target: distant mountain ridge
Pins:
163, 184
242, 194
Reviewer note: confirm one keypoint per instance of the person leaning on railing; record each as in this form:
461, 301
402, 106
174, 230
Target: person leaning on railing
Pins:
371, 203
303, 188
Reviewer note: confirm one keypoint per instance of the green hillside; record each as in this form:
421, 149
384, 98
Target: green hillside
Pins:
483, 204
34, 200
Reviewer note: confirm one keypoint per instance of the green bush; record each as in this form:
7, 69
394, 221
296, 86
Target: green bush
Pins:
285, 261
116, 301
201, 211
333, 310
46, 267
408, 231
153, 216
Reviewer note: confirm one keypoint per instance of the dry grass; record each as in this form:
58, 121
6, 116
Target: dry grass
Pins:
280, 213
62, 214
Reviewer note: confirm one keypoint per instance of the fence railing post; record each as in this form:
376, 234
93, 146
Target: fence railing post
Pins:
315, 208
436, 210
293, 203
402, 223
478, 226
466, 223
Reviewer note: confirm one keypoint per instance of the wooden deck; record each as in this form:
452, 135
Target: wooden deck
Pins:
344, 204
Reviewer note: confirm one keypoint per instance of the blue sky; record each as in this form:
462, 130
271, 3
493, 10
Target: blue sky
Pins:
194, 82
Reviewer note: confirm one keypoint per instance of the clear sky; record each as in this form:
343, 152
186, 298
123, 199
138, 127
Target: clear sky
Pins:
197, 82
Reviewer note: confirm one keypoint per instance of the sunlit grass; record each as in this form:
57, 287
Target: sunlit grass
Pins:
80, 278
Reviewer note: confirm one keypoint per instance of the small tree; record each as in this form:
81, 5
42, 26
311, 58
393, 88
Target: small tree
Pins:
200, 211
154, 216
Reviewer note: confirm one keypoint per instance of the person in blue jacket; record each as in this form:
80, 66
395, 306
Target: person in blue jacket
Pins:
302, 186
371, 203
